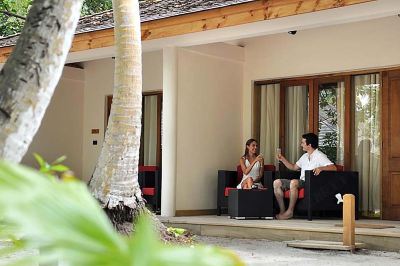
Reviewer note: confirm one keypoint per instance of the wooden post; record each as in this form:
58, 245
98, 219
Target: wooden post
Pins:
349, 242
349, 221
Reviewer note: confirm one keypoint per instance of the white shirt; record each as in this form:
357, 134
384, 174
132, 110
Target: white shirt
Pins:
312, 161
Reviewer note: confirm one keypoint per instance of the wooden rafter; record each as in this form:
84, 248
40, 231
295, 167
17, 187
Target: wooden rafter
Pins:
206, 20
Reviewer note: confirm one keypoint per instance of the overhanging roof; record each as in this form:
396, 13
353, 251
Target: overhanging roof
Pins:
149, 11
183, 17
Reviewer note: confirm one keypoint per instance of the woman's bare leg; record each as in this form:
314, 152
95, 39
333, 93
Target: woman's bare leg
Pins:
247, 183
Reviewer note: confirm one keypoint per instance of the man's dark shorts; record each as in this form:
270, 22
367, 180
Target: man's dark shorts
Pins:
286, 184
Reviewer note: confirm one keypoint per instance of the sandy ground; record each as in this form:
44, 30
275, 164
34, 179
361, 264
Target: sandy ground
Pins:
265, 252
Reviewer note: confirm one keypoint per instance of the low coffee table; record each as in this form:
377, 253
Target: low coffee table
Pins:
250, 203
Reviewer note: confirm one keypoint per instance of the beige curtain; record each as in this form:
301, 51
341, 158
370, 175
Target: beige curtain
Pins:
150, 130
296, 120
366, 152
340, 101
269, 124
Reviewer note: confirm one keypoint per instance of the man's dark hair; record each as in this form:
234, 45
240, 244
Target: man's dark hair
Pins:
312, 139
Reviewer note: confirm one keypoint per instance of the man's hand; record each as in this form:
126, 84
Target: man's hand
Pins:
317, 170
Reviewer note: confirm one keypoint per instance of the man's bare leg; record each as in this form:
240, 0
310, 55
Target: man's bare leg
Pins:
294, 193
279, 196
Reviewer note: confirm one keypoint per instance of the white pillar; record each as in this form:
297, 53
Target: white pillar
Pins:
169, 133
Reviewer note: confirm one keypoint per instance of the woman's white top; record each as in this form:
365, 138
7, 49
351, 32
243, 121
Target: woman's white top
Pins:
254, 172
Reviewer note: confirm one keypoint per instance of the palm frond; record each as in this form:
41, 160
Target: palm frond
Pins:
64, 222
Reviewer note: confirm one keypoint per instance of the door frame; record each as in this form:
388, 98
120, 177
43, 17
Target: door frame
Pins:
108, 102
388, 211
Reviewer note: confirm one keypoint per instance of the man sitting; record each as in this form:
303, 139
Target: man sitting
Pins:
313, 159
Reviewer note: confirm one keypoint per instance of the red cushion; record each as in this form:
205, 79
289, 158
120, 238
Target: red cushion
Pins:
227, 189
149, 191
301, 194
339, 168
147, 168
269, 167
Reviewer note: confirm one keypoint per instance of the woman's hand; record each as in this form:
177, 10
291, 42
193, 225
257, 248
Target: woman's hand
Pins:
260, 158
279, 157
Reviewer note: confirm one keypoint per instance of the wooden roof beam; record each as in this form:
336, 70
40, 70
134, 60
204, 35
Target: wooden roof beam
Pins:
206, 20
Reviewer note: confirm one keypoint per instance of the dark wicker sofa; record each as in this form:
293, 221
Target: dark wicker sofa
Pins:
318, 194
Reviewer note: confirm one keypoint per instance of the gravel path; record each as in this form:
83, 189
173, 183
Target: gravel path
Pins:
265, 252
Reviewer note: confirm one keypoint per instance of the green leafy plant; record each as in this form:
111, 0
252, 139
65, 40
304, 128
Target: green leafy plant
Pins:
51, 168
64, 222
176, 231
54, 169
182, 235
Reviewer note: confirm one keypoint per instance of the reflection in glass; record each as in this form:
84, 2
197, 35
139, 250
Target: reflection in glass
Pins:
366, 137
296, 119
331, 120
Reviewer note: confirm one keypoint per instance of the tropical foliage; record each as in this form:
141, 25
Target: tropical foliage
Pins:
64, 222
10, 23
327, 126
95, 6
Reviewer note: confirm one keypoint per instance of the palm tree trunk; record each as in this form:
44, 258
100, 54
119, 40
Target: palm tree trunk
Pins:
115, 179
30, 75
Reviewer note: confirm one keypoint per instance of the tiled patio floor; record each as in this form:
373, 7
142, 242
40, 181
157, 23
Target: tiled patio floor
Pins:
294, 229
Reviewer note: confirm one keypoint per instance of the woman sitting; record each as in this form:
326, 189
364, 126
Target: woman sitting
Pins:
252, 165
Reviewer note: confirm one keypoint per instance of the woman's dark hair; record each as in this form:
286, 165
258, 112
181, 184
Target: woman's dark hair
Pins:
246, 151
312, 139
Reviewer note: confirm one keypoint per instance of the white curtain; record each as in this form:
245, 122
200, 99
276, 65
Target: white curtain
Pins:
269, 124
150, 130
366, 152
340, 105
296, 120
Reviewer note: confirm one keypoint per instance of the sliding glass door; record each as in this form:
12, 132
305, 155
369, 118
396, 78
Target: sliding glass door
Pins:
366, 140
343, 110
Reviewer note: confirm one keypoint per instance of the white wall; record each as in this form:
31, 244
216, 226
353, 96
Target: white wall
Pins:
61, 130
209, 116
153, 71
98, 84
346, 47
209, 124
